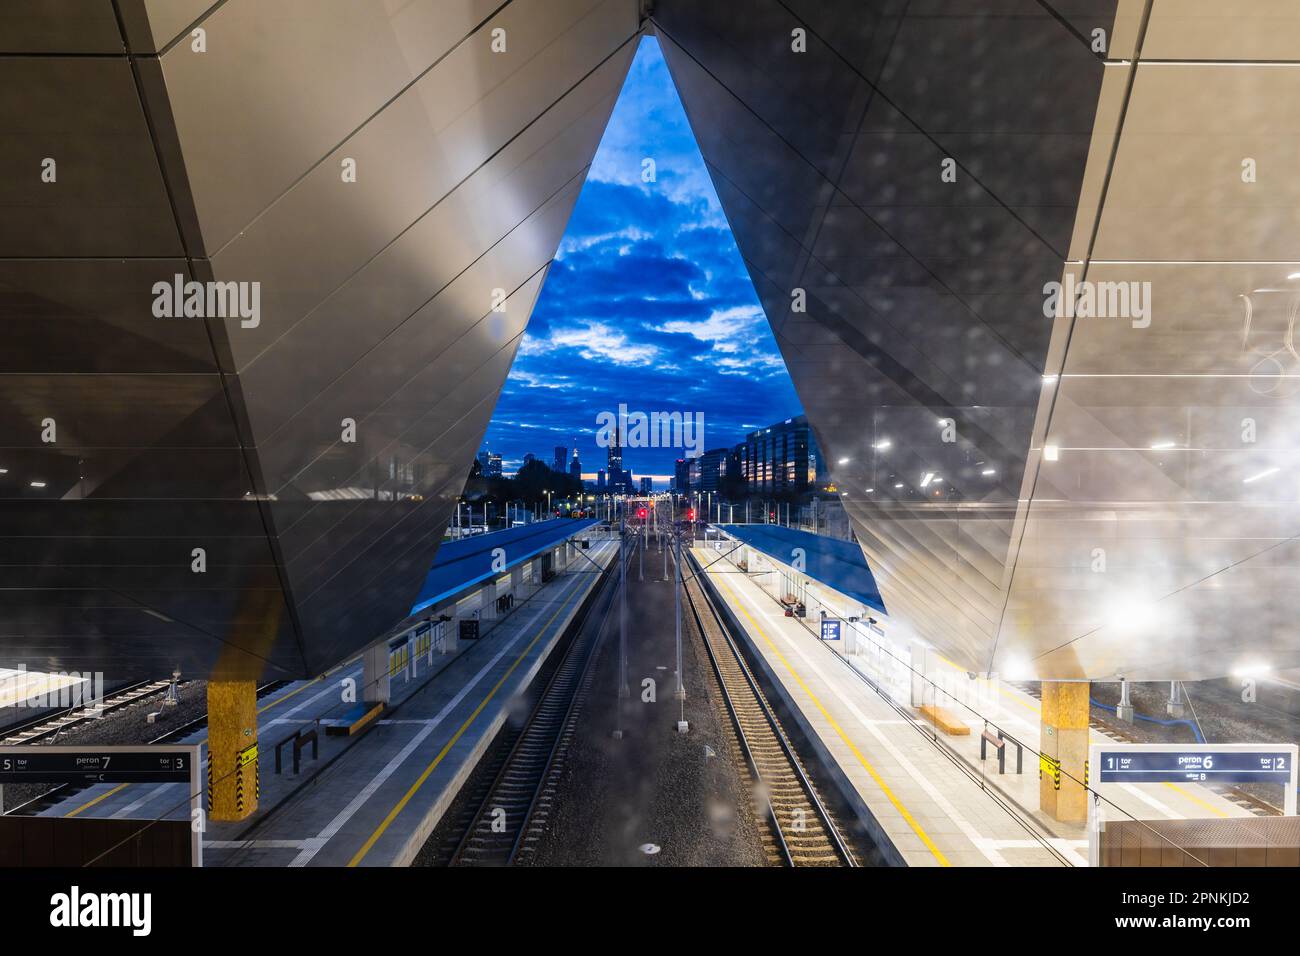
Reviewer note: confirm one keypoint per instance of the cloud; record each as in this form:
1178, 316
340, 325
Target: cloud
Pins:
726, 330
648, 301
592, 340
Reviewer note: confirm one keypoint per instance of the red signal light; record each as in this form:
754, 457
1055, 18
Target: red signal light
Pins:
690, 514
641, 513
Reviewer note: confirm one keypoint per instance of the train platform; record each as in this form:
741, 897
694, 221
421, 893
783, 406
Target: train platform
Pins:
373, 798
926, 802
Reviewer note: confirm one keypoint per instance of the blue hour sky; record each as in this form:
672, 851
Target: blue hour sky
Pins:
647, 302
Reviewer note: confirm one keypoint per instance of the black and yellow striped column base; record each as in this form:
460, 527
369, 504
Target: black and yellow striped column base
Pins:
232, 749
1063, 742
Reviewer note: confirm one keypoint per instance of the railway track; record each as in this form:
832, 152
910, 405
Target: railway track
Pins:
63, 791
803, 831
513, 799
50, 726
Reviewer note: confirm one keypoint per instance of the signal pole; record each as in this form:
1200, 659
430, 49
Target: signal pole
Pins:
622, 605
677, 601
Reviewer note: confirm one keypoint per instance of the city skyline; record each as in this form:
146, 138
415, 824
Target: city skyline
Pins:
647, 297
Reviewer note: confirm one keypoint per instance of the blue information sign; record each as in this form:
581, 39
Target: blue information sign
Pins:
1234, 766
830, 629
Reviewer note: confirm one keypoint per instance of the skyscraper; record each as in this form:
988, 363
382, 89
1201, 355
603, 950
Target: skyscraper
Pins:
682, 476
575, 466
614, 455
782, 458
558, 462
707, 472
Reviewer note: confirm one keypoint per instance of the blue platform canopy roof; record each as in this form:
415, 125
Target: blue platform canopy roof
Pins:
464, 563
840, 565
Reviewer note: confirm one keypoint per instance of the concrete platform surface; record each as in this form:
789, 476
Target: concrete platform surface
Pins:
374, 798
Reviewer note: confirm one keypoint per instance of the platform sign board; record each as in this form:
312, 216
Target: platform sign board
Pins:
830, 629
1175, 766
1191, 764
147, 764
1186, 764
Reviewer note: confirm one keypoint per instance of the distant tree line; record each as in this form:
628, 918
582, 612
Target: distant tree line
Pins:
529, 484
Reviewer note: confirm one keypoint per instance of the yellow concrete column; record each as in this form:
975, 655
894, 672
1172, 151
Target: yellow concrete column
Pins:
232, 749
1063, 742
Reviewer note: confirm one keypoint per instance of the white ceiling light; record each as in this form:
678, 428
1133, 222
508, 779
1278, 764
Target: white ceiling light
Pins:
1049, 379
989, 471
1017, 667
1161, 445
882, 444
1251, 669
1134, 615
1051, 452
927, 478
844, 461
38, 484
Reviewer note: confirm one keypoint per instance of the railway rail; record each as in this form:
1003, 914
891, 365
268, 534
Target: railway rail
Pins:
804, 831
513, 799
51, 724
63, 791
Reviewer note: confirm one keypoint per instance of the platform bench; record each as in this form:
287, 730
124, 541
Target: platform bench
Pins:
945, 720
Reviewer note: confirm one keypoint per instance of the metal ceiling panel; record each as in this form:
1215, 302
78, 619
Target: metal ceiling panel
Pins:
375, 304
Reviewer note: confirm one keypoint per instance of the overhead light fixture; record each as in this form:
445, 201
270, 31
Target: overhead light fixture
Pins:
1049, 379
870, 490
1262, 474
1051, 452
989, 471
927, 478
882, 444
4, 471
1161, 445
1294, 275
1017, 667
1252, 669
38, 484
844, 461
899, 485
1134, 614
